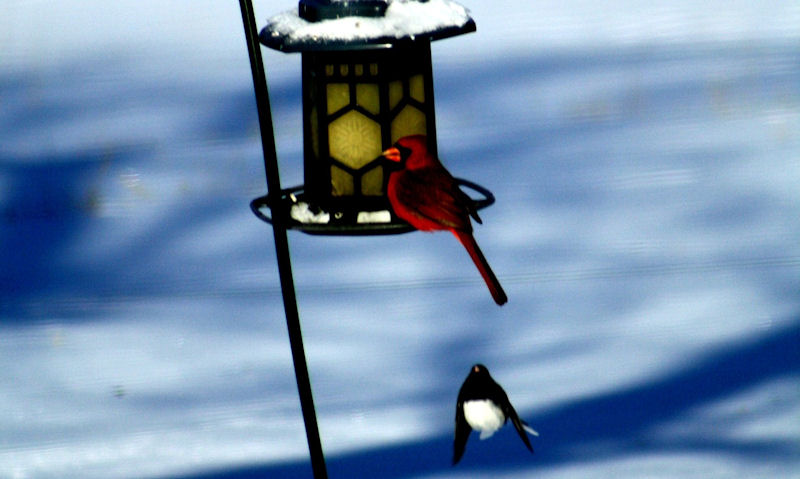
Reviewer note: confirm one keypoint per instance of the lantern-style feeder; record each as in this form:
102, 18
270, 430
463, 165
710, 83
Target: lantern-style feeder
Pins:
367, 82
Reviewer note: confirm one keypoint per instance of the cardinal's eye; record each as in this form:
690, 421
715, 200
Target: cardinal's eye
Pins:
404, 152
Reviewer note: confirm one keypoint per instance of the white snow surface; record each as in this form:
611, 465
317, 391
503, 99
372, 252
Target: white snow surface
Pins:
302, 212
644, 157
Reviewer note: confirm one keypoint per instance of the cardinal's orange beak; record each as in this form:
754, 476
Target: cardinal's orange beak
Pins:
392, 154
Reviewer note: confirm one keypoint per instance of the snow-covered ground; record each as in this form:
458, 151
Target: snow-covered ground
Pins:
646, 162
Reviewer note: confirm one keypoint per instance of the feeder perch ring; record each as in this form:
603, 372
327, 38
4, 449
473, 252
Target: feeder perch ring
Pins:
298, 213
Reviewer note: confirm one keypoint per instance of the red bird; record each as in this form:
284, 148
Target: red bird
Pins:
427, 196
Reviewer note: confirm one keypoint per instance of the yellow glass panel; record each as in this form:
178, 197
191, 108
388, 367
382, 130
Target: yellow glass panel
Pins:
395, 93
354, 139
341, 182
338, 96
416, 87
373, 69
367, 97
410, 121
372, 182
359, 69
329, 70
344, 70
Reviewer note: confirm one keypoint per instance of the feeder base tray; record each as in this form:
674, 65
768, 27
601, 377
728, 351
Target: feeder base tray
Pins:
299, 213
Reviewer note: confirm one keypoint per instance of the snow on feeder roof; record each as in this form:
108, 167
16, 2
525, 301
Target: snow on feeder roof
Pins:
345, 25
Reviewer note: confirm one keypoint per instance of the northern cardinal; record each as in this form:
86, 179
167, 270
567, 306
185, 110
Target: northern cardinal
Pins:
425, 194
484, 406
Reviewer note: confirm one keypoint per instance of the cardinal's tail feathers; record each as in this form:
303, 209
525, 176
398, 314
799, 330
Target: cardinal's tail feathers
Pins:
475, 253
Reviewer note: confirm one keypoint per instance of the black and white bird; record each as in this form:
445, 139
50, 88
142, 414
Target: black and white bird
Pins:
484, 406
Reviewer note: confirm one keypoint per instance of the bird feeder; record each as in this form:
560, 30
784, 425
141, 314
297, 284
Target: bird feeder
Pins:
367, 81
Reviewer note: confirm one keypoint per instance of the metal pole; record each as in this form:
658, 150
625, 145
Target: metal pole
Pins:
282, 243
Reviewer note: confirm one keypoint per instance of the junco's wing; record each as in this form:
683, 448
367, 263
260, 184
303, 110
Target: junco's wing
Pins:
520, 425
462, 433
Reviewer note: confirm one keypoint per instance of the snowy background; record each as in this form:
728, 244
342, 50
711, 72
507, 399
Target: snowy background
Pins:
645, 157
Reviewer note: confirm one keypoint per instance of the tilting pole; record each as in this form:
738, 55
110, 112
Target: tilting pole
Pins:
282, 243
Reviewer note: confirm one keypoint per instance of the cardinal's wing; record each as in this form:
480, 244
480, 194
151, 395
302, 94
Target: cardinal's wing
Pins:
433, 196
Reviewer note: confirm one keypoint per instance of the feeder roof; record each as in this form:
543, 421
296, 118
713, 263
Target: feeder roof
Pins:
403, 21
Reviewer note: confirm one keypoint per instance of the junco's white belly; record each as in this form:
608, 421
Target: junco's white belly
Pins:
484, 416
